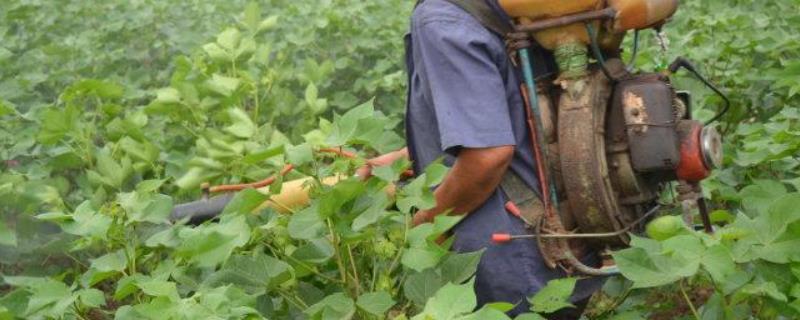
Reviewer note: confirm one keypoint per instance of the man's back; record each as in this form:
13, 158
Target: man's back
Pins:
463, 93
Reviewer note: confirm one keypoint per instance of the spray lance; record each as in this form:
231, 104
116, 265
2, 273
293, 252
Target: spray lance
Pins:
293, 194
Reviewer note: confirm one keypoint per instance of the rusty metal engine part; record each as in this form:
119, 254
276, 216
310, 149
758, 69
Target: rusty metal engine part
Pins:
701, 151
584, 162
711, 146
690, 195
647, 104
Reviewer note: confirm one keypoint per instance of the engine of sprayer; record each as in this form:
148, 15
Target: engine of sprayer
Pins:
619, 136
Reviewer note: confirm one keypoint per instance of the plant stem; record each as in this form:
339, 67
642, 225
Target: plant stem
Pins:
339, 262
688, 301
374, 274
255, 98
296, 302
301, 263
132, 247
78, 311
396, 260
357, 285
617, 302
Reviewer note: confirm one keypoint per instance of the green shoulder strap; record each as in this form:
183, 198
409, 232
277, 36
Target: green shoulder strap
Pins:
482, 12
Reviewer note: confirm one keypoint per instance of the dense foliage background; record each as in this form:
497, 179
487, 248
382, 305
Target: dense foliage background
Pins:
112, 112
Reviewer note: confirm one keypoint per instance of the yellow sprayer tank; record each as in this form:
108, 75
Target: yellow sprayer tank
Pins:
640, 14
630, 14
534, 10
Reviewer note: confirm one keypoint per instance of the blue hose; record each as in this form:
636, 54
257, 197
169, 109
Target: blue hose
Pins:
530, 84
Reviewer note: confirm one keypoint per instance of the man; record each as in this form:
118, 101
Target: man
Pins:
464, 104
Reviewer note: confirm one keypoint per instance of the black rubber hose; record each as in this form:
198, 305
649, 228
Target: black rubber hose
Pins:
682, 62
635, 52
598, 54
202, 210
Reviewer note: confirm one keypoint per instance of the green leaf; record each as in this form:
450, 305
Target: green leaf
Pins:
419, 259
223, 85
264, 154
299, 155
345, 127
112, 173
241, 125
756, 198
392, 172
373, 214
718, 261
92, 298
229, 39
6, 108
337, 306
210, 245
114, 261
435, 173
252, 16
83, 222
159, 288
157, 211
421, 286
217, 53
168, 96
342, 193
140, 151
98, 88
450, 302
56, 124
418, 194
15, 302
306, 224
500, 306
486, 313
268, 23
375, 303
146, 208
245, 202
530, 316
194, 177
48, 298
369, 131
168, 238
312, 93
127, 285
459, 267
768, 289
149, 186
636, 265
254, 274
316, 251
7, 236
554, 296
628, 315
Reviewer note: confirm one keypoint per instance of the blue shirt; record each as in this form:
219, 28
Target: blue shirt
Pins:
464, 93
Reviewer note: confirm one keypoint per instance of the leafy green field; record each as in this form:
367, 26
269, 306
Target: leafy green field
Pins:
113, 112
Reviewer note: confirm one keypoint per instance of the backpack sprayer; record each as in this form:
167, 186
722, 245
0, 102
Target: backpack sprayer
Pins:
607, 141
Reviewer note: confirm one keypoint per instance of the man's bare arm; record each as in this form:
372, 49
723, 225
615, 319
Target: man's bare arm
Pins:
473, 178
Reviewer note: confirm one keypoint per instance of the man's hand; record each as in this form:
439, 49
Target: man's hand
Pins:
473, 178
383, 160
